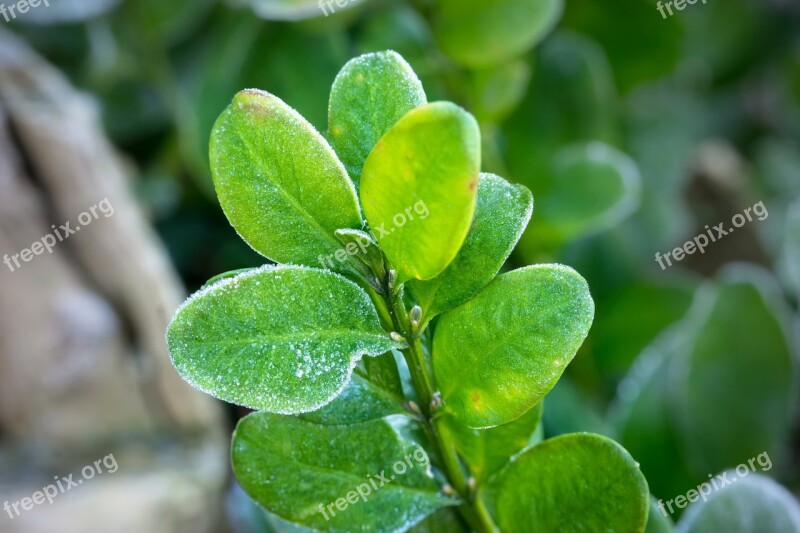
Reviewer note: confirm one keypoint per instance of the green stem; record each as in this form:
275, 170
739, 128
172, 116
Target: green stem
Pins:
473, 510
414, 356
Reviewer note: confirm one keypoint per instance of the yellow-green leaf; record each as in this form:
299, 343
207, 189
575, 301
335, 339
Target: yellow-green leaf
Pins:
419, 186
499, 354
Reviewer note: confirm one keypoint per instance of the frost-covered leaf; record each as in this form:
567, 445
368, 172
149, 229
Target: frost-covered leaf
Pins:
226, 275
370, 94
283, 339
478, 33
419, 186
576, 482
499, 354
754, 504
501, 214
299, 470
279, 181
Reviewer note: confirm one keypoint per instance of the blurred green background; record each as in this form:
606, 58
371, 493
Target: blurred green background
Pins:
633, 131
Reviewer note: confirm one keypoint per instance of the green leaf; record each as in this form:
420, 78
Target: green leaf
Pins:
442, 520
622, 331
361, 246
576, 482
731, 350
370, 94
479, 33
494, 92
284, 339
571, 410
226, 275
645, 418
298, 9
400, 27
487, 451
742, 358
297, 469
382, 372
279, 182
754, 504
501, 214
171, 21
419, 186
360, 401
656, 521
571, 99
593, 188
542, 313
659, 41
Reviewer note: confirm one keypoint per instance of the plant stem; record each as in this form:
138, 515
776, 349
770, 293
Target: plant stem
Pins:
473, 510
414, 356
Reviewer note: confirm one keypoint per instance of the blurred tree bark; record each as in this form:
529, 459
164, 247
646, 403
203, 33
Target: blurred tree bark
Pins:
83, 364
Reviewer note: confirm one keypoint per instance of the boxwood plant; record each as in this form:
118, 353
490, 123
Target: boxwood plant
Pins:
384, 329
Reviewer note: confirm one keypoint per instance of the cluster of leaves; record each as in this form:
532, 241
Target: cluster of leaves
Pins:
317, 352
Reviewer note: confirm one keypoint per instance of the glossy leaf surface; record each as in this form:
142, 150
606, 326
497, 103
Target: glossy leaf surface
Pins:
279, 181
542, 314
283, 339
419, 187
